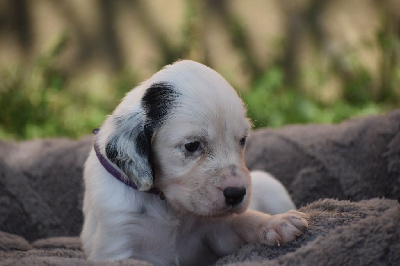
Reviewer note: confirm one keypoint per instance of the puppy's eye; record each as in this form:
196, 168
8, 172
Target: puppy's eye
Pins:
192, 146
242, 142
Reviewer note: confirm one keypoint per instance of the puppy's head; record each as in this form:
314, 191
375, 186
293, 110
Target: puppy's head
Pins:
183, 131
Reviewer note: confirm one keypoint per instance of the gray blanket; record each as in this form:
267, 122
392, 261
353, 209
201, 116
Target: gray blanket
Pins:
346, 177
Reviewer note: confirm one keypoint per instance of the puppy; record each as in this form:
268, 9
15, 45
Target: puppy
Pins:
166, 181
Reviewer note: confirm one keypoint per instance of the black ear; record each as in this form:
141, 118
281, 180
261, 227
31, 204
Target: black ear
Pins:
129, 146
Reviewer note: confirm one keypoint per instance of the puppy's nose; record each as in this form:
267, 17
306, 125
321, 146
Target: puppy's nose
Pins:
234, 195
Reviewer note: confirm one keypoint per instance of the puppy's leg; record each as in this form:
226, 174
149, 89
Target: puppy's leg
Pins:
256, 227
269, 195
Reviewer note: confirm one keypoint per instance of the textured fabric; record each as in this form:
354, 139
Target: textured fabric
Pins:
340, 233
355, 160
41, 187
41, 195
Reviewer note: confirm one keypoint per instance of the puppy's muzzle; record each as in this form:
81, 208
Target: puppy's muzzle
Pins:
234, 195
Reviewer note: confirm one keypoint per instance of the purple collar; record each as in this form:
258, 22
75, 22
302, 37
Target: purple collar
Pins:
114, 172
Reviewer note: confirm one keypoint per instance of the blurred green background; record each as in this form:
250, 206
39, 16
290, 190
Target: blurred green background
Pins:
65, 64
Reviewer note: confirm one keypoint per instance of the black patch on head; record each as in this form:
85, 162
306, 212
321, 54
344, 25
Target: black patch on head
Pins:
157, 102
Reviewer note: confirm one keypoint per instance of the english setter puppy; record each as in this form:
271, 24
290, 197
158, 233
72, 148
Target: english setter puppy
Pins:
166, 180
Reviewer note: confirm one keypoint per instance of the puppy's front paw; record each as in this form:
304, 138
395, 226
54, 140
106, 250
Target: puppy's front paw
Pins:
283, 228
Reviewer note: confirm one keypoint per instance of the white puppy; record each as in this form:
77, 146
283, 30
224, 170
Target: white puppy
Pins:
167, 182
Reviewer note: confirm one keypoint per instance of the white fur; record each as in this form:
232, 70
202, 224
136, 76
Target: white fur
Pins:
193, 225
269, 195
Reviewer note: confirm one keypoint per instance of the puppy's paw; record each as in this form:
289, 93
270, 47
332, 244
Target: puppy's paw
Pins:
283, 228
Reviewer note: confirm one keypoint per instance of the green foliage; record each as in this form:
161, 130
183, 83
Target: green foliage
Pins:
272, 104
41, 102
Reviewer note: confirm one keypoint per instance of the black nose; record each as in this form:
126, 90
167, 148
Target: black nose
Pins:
234, 195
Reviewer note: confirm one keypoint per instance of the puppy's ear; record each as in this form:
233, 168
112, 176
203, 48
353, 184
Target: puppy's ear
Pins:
129, 146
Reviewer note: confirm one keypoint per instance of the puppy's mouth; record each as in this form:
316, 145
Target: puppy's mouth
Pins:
228, 210
215, 209
209, 203
219, 209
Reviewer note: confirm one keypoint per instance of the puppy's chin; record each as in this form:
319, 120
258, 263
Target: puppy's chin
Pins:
209, 214
206, 207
